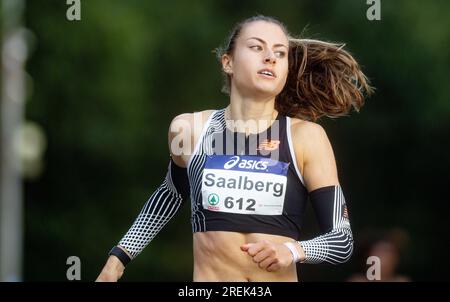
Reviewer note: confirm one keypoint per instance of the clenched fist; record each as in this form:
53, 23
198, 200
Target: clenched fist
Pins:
268, 255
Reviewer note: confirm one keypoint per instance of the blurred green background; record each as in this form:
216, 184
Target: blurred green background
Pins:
104, 90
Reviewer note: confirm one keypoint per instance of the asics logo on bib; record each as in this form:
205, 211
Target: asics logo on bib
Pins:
246, 164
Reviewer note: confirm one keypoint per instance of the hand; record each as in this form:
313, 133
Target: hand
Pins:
268, 255
112, 271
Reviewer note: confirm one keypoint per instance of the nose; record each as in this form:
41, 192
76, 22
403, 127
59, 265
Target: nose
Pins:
270, 58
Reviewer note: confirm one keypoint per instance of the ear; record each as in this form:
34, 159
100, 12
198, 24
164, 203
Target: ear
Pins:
227, 64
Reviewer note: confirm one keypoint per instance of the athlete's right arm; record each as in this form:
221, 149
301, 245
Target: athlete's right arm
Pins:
162, 205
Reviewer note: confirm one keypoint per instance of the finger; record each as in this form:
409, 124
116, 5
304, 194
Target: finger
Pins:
274, 267
266, 262
255, 248
263, 254
245, 247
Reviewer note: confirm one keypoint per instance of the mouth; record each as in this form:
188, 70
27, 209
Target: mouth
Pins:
267, 73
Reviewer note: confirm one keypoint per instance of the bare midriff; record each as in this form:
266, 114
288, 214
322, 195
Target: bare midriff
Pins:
218, 257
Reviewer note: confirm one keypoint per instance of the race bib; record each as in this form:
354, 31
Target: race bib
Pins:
244, 184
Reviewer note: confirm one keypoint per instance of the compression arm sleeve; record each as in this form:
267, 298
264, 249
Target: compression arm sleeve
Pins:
335, 244
162, 205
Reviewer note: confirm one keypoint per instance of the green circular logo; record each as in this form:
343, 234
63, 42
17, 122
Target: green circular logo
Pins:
213, 199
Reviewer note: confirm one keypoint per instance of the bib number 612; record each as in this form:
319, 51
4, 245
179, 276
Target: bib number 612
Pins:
231, 203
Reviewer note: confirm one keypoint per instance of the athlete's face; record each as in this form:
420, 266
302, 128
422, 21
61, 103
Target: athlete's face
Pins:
259, 63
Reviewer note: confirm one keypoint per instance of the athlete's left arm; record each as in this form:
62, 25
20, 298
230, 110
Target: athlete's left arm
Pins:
316, 160
334, 245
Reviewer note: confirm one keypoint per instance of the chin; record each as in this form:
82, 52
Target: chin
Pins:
264, 90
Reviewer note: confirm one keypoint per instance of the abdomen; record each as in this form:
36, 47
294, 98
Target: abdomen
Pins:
218, 257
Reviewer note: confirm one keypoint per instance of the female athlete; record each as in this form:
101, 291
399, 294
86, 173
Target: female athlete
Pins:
249, 168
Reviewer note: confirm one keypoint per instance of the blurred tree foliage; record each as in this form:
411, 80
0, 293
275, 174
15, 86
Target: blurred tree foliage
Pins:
106, 88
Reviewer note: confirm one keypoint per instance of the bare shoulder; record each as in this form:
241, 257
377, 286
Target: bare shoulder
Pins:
200, 116
184, 131
314, 154
307, 134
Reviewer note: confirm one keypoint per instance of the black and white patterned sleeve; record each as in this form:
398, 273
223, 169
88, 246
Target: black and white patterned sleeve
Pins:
335, 244
162, 205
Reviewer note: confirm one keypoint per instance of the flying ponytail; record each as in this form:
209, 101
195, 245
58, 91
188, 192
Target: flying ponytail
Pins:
323, 80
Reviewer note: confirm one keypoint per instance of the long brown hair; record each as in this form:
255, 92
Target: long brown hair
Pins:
323, 78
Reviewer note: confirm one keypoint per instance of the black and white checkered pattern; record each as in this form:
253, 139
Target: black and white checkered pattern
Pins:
162, 205
336, 246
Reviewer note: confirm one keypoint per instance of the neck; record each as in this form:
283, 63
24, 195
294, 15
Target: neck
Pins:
251, 110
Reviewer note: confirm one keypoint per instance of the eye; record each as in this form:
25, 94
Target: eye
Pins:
281, 54
257, 47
